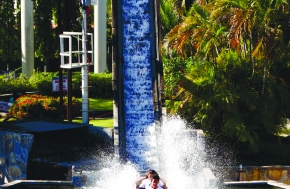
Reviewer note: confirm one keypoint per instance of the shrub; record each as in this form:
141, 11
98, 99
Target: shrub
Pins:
75, 108
42, 81
18, 85
26, 106
32, 106
174, 68
100, 84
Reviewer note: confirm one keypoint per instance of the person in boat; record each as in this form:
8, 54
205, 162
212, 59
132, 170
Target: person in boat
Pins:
146, 182
154, 183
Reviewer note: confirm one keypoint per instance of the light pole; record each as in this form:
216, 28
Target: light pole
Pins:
85, 93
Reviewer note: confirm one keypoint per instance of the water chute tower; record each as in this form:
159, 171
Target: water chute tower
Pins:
137, 78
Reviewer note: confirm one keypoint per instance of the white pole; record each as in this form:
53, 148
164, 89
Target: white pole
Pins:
100, 33
85, 99
27, 37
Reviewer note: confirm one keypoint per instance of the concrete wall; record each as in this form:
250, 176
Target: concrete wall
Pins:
258, 173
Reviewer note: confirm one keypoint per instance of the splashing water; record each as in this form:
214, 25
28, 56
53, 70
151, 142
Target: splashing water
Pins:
181, 157
113, 175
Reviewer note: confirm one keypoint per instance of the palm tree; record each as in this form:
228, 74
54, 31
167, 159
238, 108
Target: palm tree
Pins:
168, 15
181, 6
231, 41
185, 37
197, 35
252, 28
238, 16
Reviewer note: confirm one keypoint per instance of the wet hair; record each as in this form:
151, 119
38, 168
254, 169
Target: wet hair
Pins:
151, 171
156, 177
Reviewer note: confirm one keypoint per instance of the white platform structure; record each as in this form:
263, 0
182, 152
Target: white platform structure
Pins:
74, 57
75, 53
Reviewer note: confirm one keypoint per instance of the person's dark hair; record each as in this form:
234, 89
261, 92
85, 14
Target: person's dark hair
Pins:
156, 177
152, 171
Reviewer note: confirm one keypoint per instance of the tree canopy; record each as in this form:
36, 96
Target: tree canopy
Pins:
51, 18
235, 83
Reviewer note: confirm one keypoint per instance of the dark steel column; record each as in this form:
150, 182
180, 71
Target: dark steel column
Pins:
159, 64
153, 61
69, 71
117, 83
59, 27
115, 76
120, 65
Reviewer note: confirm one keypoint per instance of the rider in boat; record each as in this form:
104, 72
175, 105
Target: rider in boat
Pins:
151, 180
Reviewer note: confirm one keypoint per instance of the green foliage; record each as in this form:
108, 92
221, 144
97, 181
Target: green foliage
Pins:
10, 48
168, 16
39, 77
174, 68
19, 84
228, 105
101, 86
273, 152
32, 106
45, 46
237, 89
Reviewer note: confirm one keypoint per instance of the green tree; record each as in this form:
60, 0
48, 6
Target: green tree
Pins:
253, 29
45, 34
10, 48
168, 16
237, 47
48, 24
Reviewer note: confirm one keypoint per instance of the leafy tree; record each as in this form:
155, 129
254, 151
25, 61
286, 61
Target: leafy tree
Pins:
168, 16
174, 68
45, 35
10, 49
237, 46
253, 28
46, 28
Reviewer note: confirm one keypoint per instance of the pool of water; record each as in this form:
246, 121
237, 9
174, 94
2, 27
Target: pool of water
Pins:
256, 187
259, 186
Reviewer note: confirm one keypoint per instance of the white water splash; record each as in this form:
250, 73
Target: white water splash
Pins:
114, 175
181, 158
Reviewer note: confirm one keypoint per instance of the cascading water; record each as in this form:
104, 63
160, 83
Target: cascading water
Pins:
182, 158
138, 42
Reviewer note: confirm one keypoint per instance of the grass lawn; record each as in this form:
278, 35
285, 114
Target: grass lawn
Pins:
99, 105
95, 105
103, 122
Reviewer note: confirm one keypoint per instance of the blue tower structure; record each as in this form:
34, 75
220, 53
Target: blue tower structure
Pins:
137, 78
